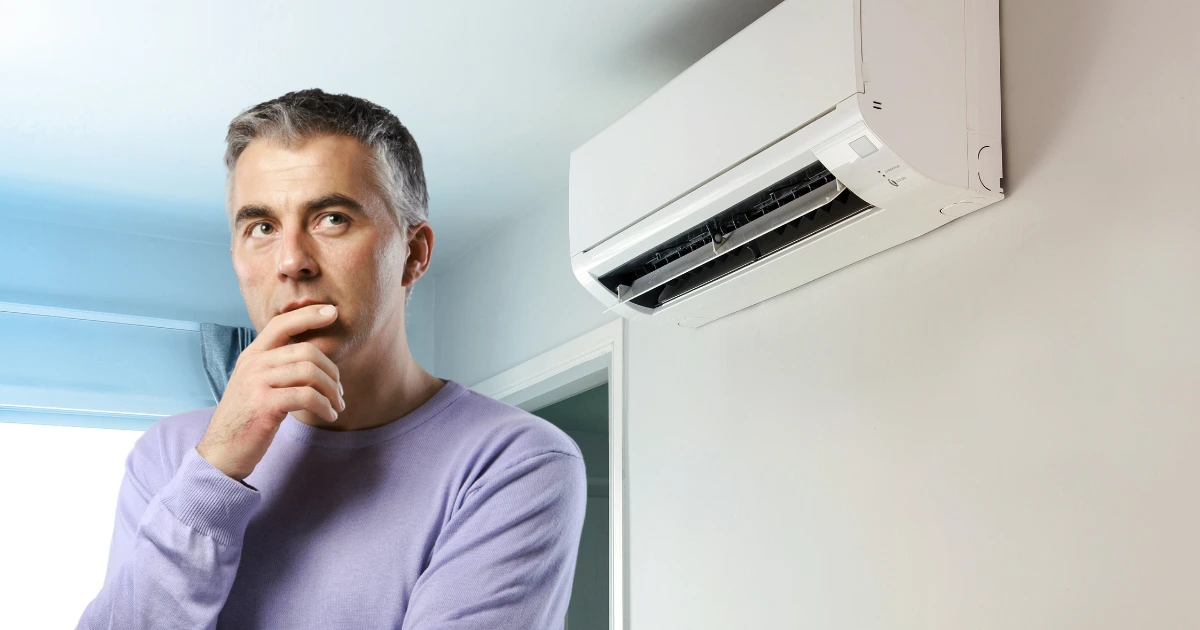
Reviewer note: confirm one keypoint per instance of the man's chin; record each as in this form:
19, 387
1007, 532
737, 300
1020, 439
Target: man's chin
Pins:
323, 340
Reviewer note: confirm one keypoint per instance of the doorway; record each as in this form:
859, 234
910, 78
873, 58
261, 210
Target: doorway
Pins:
579, 387
584, 417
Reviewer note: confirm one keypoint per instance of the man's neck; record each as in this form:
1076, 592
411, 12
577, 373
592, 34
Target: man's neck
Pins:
378, 389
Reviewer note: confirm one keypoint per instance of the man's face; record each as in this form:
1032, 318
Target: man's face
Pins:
310, 224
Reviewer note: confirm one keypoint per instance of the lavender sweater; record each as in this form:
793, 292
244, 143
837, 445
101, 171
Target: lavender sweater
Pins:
465, 513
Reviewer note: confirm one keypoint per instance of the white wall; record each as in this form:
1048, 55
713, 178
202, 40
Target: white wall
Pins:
512, 298
992, 426
419, 323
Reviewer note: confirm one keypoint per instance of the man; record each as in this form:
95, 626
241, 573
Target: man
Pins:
338, 484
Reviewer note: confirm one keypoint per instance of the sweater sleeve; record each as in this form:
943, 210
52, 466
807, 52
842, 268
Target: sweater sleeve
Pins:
174, 554
506, 558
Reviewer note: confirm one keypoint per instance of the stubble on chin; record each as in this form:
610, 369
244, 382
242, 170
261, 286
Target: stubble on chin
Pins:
326, 340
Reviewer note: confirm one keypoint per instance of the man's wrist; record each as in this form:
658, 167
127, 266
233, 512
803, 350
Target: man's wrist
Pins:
206, 499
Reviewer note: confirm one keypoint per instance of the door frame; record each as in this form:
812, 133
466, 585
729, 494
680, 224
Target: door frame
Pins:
578, 365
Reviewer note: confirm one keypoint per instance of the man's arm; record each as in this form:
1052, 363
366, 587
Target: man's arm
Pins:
507, 557
175, 553
174, 568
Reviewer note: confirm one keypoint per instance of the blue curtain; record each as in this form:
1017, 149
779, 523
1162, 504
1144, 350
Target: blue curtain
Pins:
219, 348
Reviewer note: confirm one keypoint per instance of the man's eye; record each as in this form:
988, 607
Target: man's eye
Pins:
341, 220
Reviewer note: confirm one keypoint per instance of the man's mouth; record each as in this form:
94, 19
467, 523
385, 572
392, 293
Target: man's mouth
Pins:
291, 306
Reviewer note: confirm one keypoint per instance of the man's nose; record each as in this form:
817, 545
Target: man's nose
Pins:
296, 255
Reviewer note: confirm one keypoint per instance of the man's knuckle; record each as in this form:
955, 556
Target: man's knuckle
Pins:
264, 397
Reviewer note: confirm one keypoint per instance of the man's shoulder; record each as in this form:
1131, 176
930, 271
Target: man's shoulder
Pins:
497, 429
494, 444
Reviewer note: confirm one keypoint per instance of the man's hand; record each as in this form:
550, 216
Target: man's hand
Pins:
270, 379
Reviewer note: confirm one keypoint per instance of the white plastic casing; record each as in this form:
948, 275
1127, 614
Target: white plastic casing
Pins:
917, 79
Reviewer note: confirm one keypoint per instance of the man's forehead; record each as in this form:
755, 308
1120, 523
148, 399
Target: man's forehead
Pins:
272, 180
326, 156
270, 172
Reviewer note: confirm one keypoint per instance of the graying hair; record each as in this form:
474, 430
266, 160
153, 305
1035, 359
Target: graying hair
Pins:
296, 116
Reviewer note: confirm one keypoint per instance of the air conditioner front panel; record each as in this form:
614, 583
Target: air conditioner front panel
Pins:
829, 151
773, 77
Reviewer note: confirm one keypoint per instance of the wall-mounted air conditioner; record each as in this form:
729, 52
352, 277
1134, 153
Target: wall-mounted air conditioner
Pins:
823, 133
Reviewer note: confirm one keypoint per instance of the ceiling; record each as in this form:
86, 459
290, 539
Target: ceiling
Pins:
114, 113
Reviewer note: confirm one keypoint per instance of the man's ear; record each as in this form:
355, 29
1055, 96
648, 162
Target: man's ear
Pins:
420, 252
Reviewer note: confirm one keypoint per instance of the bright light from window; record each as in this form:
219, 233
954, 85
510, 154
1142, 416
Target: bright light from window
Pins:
59, 504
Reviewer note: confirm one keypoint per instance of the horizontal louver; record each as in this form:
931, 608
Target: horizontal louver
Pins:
790, 210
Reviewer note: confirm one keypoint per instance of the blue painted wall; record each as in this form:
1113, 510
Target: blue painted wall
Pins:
119, 257
99, 263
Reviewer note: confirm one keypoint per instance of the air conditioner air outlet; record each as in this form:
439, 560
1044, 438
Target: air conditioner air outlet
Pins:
718, 228
791, 210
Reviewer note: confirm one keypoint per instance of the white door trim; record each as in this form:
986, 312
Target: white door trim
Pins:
573, 367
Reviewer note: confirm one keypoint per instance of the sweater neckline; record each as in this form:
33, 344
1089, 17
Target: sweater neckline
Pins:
301, 432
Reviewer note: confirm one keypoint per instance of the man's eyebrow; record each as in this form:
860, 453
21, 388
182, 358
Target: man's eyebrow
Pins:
256, 211
252, 211
334, 199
